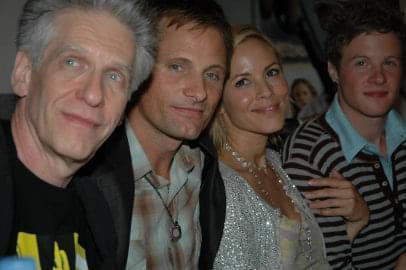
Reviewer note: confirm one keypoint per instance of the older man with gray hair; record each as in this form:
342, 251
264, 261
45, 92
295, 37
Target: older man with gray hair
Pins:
76, 62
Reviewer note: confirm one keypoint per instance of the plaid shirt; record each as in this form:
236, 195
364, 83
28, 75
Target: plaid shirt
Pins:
150, 243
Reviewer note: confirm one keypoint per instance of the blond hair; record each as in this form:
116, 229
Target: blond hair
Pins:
241, 33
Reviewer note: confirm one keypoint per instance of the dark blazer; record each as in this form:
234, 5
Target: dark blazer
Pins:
6, 195
111, 170
101, 240
212, 204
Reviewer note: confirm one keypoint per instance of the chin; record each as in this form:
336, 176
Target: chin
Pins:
279, 124
185, 137
186, 133
188, 136
376, 112
274, 129
77, 154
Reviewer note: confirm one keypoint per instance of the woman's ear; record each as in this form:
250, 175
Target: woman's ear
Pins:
22, 74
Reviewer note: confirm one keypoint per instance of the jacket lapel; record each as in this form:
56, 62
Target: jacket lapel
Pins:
212, 204
99, 219
111, 171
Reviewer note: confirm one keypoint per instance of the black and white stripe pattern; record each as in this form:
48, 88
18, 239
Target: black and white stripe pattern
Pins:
312, 151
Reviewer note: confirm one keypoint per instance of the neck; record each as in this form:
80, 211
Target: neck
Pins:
37, 157
159, 148
370, 128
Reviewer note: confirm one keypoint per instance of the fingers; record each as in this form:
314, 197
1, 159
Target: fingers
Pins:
343, 193
333, 207
335, 179
337, 175
336, 196
339, 207
330, 212
333, 203
335, 186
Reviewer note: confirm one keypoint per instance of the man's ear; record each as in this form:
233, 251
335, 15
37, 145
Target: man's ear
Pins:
22, 74
332, 71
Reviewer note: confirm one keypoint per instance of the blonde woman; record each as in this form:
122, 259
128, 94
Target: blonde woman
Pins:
267, 224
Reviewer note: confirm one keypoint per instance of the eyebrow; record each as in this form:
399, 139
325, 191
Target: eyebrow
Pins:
71, 47
80, 49
187, 61
248, 73
238, 76
216, 66
241, 75
366, 56
273, 64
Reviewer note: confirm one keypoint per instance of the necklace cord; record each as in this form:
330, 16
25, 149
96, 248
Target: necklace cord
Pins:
162, 200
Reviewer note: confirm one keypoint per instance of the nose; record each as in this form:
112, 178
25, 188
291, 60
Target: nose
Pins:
92, 91
378, 75
196, 89
265, 90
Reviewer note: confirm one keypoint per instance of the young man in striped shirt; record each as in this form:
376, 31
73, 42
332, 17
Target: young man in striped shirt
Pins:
360, 142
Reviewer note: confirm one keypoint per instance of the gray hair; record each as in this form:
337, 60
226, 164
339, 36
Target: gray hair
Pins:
37, 28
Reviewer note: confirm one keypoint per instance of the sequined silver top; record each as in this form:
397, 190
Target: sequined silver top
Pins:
252, 236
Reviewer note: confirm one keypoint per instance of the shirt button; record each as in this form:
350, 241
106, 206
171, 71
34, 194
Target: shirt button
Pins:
377, 165
384, 183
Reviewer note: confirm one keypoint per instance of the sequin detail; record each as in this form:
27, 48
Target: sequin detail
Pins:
251, 235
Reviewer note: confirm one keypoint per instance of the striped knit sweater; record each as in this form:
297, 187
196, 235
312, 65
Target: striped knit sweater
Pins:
312, 151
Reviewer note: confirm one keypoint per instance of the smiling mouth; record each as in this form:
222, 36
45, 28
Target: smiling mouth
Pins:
190, 112
377, 94
272, 108
81, 121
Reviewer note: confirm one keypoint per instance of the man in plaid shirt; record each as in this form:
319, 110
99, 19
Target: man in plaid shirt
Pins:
150, 176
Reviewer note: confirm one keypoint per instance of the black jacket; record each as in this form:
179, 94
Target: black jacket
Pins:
212, 205
101, 234
111, 170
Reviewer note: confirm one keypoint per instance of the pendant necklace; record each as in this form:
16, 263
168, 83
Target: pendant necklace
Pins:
175, 232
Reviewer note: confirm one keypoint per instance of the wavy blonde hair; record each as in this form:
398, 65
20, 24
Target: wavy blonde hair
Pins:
241, 33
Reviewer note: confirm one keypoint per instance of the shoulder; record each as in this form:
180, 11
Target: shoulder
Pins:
401, 147
114, 152
228, 174
399, 155
310, 141
205, 143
